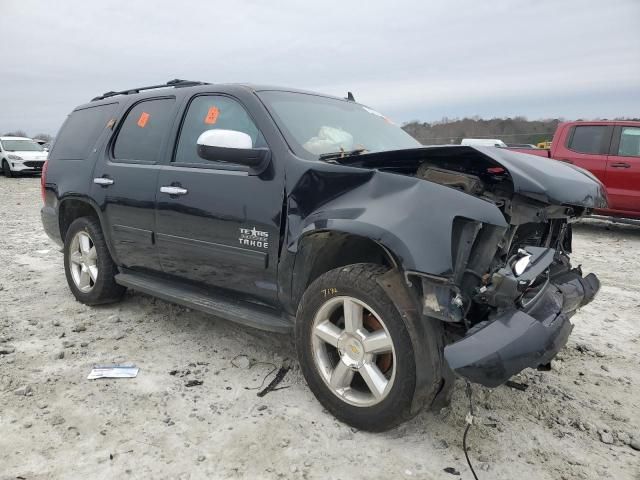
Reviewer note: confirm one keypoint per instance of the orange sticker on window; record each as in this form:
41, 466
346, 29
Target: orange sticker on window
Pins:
144, 118
212, 116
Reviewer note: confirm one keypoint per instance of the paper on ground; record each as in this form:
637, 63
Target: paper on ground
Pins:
113, 371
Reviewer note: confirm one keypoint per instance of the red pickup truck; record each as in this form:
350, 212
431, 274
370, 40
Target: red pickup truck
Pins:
608, 149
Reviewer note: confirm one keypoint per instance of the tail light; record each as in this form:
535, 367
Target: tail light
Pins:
43, 179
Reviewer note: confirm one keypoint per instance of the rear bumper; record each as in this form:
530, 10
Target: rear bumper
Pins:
50, 224
517, 339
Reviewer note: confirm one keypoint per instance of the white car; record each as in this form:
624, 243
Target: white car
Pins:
21, 155
483, 142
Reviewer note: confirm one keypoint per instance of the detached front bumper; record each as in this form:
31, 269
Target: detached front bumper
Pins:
495, 350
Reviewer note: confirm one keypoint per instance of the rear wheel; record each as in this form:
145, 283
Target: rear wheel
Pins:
6, 169
88, 266
354, 349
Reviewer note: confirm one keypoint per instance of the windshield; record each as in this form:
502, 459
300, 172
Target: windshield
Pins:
21, 146
315, 125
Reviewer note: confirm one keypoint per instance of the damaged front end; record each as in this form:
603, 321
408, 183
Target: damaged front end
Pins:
513, 290
522, 313
507, 300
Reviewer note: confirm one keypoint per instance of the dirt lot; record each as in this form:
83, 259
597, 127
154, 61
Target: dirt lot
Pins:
579, 421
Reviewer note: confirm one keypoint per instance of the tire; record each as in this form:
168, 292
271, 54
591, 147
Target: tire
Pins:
355, 284
6, 169
101, 286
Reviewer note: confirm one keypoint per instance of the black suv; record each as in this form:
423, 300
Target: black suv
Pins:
395, 264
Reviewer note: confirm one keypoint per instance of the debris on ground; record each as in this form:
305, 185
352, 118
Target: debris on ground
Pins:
274, 383
6, 349
606, 437
241, 361
25, 391
193, 383
113, 371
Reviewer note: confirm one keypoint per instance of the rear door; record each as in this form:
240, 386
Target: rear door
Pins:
222, 228
587, 146
623, 169
124, 182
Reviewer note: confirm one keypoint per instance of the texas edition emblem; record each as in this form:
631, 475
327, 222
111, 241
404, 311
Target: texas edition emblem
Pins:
254, 238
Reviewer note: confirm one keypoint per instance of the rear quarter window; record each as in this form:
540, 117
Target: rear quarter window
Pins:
80, 132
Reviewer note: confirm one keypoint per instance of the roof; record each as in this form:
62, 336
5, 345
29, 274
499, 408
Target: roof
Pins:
633, 123
197, 85
176, 83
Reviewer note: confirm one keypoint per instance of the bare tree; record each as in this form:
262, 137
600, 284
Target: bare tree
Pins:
453, 130
16, 133
43, 136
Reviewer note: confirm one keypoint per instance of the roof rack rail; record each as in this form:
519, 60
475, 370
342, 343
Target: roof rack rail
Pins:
176, 83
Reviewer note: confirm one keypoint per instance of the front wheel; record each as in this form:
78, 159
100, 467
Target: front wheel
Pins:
6, 169
354, 349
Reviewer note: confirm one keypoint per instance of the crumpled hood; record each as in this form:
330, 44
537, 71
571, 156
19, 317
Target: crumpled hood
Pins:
543, 179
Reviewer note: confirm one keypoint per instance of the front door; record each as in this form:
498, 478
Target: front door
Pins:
216, 224
124, 182
587, 147
623, 170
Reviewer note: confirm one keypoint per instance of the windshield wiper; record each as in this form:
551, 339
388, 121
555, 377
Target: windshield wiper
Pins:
328, 157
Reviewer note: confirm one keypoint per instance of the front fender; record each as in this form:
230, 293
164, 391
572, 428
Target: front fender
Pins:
410, 217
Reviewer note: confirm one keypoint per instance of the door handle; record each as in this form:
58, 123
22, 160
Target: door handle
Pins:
173, 190
565, 160
620, 165
103, 181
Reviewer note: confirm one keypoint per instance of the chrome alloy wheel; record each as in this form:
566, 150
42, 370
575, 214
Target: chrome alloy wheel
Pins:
83, 262
353, 351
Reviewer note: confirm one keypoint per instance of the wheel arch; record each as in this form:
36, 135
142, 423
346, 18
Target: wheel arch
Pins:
72, 207
344, 248
321, 251
4, 161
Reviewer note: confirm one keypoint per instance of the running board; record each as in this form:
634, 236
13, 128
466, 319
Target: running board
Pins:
237, 311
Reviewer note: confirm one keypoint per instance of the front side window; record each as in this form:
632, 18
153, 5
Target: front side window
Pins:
210, 112
588, 139
315, 125
21, 146
629, 142
144, 130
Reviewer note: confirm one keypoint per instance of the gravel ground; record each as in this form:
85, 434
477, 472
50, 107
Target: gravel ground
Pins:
581, 420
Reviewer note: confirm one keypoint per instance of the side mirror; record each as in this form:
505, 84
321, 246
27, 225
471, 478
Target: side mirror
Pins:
233, 147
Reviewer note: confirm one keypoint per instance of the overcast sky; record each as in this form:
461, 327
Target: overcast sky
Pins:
409, 59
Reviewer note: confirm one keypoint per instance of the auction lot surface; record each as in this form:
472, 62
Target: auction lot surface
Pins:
577, 421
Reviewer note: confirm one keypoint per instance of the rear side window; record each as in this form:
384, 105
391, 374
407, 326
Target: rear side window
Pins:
144, 130
629, 142
80, 132
589, 139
